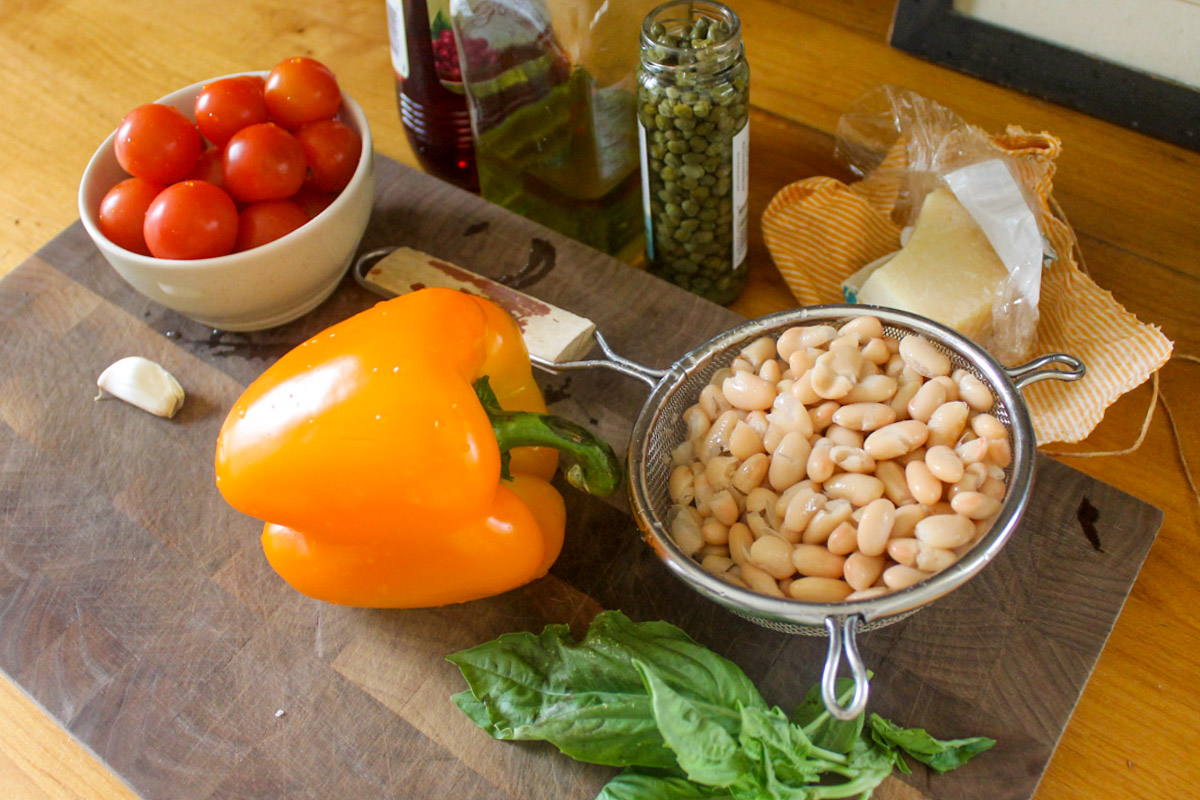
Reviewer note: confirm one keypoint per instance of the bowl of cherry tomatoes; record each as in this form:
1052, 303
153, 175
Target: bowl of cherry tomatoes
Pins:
238, 201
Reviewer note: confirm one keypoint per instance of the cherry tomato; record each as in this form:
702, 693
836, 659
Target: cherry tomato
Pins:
263, 162
123, 213
209, 167
331, 150
300, 90
158, 143
312, 201
191, 219
226, 106
264, 222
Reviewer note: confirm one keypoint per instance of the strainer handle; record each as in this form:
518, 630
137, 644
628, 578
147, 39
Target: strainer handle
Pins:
611, 360
1033, 372
842, 641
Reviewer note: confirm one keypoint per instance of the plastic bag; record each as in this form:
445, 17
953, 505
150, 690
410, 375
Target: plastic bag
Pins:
940, 149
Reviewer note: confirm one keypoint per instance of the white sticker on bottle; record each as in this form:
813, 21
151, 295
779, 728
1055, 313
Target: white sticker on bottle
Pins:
645, 162
398, 37
741, 194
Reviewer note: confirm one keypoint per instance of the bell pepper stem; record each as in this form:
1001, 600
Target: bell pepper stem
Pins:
596, 470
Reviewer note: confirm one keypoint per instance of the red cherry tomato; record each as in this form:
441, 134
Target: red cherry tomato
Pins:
312, 201
300, 90
191, 219
226, 106
209, 167
264, 222
123, 213
263, 162
331, 150
158, 143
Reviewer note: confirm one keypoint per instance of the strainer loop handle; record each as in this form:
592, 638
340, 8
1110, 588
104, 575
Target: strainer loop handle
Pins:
1033, 372
611, 361
842, 641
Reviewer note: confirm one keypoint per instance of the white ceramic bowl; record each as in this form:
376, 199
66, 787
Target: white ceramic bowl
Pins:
254, 289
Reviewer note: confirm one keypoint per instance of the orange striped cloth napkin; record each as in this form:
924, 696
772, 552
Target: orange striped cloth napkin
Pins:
819, 231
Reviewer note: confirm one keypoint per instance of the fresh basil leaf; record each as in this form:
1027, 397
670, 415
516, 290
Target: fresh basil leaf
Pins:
780, 748
477, 711
586, 698
632, 785
826, 731
941, 755
696, 732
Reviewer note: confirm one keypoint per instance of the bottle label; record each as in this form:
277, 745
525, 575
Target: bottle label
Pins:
444, 46
397, 37
644, 160
741, 193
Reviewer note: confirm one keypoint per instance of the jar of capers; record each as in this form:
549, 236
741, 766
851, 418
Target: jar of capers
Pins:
693, 105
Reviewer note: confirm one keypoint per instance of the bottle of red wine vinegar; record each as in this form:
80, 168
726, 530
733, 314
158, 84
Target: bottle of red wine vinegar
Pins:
429, 89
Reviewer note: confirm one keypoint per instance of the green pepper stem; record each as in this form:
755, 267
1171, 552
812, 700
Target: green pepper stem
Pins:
596, 470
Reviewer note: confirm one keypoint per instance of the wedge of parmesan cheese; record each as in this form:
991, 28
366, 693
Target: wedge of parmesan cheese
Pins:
947, 270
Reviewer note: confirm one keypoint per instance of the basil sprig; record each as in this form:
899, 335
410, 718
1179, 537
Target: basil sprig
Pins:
686, 723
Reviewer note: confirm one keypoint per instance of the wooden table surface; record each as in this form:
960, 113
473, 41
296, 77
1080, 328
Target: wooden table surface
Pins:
72, 69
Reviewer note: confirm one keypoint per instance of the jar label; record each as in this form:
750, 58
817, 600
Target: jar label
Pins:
645, 162
397, 36
741, 193
444, 46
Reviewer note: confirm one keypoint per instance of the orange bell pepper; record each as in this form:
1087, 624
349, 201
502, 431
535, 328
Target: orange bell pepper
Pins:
389, 475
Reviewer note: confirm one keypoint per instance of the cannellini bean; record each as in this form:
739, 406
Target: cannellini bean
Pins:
895, 484
759, 580
741, 364
944, 463
975, 505
815, 561
744, 441
789, 414
773, 436
789, 462
747, 391
773, 556
906, 520
916, 454
852, 459
824, 521
988, 427
904, 551
758, 421
973, 451
684, 524
948, 423
801, 508
822, 415
712, 550
758, 525
719, 471
750, 473
975, 392
716, 441
802, 388
863, 328
803, 337
993, 488
740, 540
680, 486
949, 385
820, 461
835, 373
761, 499
929, 397
935, 559
920, 354
697, 421
970, 482
840, 435
683, 454
713, 402
875, 526
872, 389
876, 351
868, 594
899, 576
864, 416
819, 590
945, 530
717, 565
723, 507
905, 392
715, 532
1000, 452
843, 540
861, 570
858, 489
760, 351
896, 439
771, 372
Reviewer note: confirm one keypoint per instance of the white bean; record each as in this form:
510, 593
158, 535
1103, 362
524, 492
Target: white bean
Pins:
820, 461
801, 508
716, 441
824, 521
684, 524
680, 486
822, 415
843, 540
815, 561
863, 328
760, 351
861, 570
747, 391
819, 590
906, 520
904, 551
975, 505
896, 439
724, 508
773, 556
895, 484
760, 580
789, 414
988, 427
948, 423
934, 559
899, 576
875, 527
920, 354
945, 530
789, 462
930, 395
852, 459
715, 532
744, 441
717, 565
944, 463
858, 489
751, 473
872, 389
713, 402
740, 540
864, 416
975, 392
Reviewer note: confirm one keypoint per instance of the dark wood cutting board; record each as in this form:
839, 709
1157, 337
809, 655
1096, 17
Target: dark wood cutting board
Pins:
137, 609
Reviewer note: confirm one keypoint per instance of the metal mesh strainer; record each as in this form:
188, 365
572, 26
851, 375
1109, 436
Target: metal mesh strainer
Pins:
659, 429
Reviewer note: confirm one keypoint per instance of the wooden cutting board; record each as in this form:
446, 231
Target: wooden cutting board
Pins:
137, 609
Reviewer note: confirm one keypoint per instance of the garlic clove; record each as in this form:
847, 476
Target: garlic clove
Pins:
143, 383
